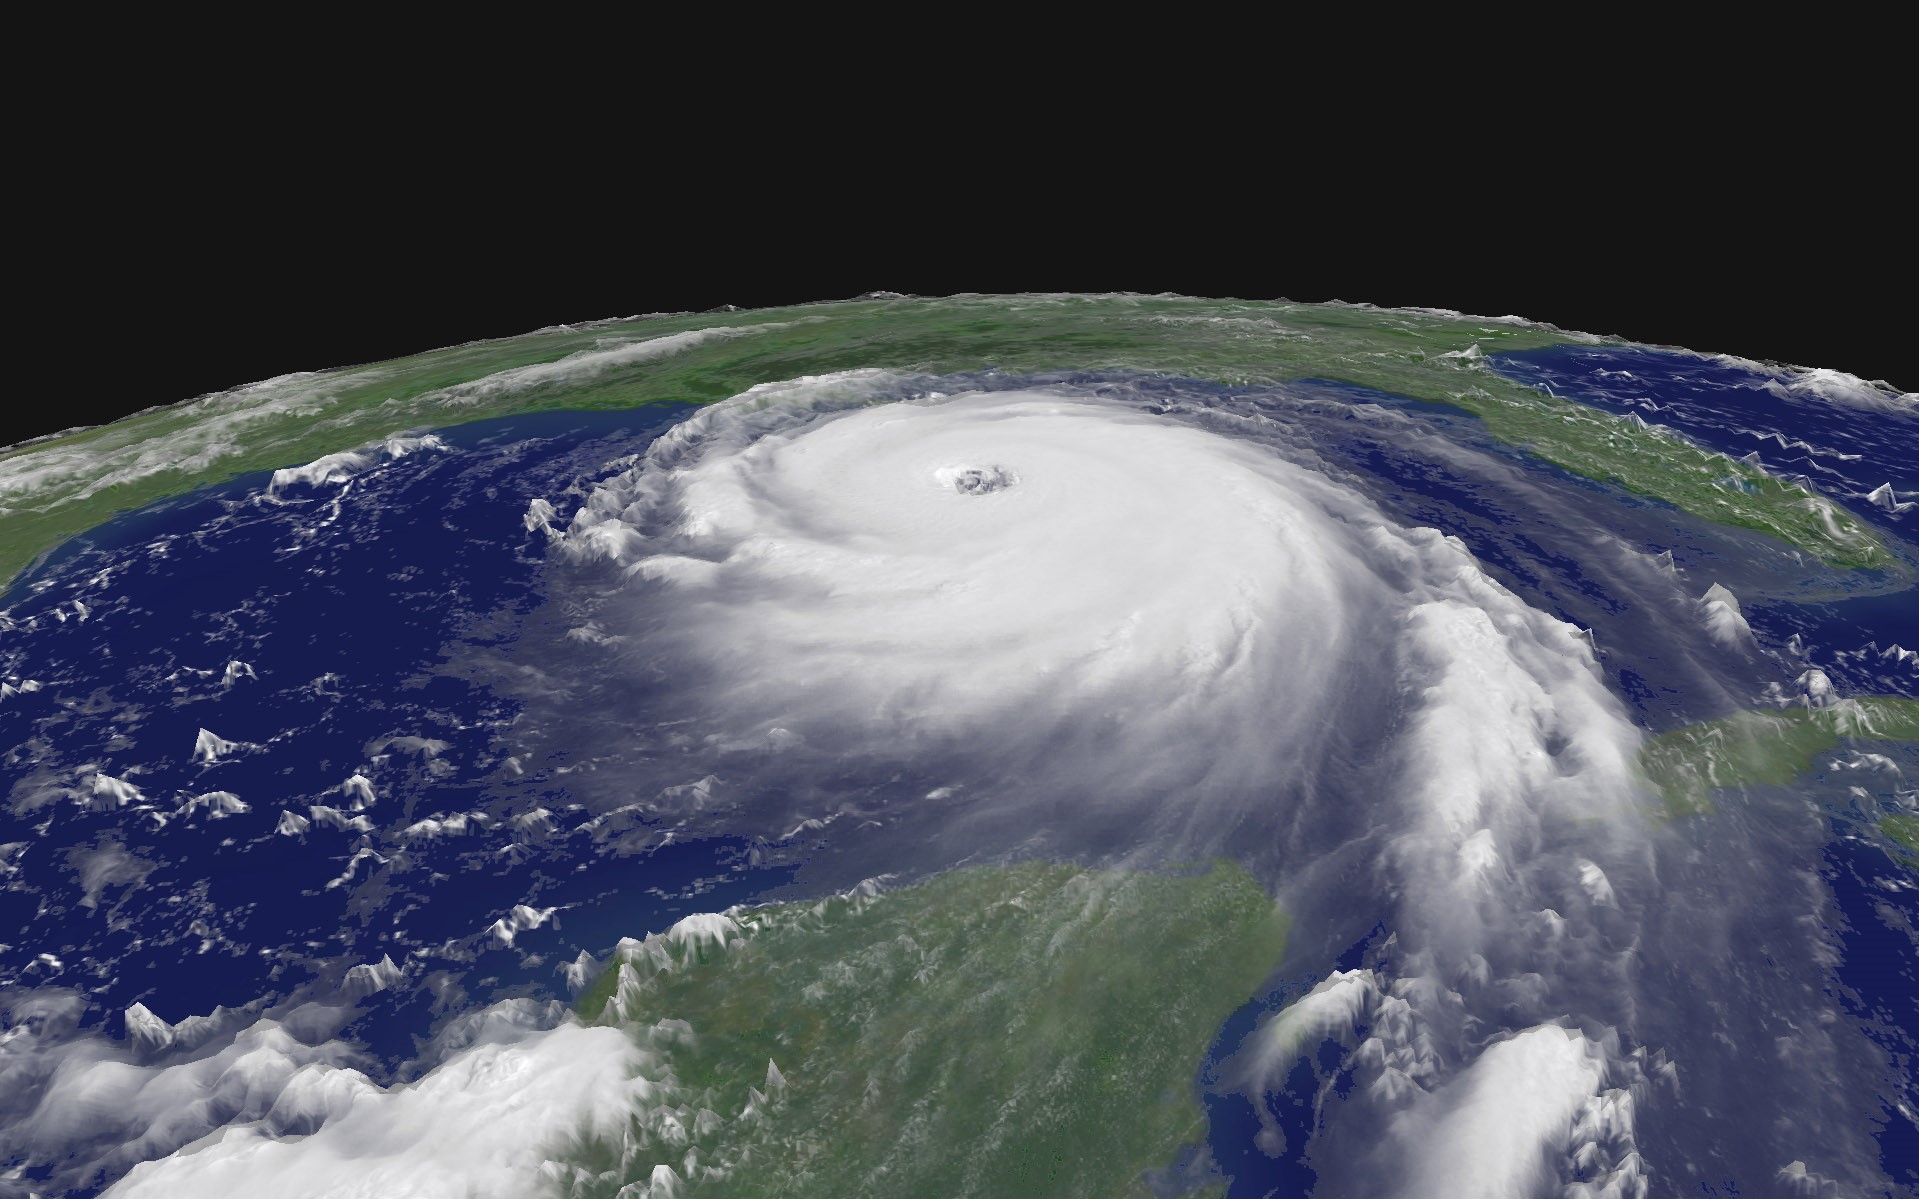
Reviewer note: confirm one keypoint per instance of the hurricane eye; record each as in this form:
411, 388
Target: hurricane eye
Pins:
979, 480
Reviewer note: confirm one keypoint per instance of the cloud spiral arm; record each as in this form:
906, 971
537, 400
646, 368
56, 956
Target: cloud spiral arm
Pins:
1086, 593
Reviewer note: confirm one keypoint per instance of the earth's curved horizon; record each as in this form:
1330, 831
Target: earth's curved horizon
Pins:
1039, 744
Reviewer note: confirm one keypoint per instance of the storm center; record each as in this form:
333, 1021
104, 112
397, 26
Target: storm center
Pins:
977, 480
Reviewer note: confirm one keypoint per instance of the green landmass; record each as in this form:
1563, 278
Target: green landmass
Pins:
1903, 829
1769, 748
59, 487
1032, 1030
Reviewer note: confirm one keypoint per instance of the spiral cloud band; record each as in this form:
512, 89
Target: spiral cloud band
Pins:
923, 571
1086, 594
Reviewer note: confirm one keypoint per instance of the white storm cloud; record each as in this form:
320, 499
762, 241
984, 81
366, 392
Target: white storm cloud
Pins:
1146, 603
481, 1125
1126, 604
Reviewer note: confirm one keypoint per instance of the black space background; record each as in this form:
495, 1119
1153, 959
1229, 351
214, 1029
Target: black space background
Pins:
166, 266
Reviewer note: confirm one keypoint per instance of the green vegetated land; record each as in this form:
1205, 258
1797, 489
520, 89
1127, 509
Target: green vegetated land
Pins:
992, 1031
1772, 749
1903, 829
54, 489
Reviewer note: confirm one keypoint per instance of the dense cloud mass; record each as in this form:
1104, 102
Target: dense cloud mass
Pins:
1069, 593
907, 576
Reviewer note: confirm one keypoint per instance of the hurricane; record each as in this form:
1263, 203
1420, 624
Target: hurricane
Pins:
1013, 583
1311, 751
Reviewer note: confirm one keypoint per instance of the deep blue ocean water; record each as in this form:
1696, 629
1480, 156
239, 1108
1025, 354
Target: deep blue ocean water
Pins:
347, 623
1878, 981
1738, 409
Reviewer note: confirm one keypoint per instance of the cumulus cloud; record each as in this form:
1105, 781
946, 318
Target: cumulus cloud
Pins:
1499, 1130
481, 1125
95, 1107
265, 1100
1838, 387
343, 466
1719, 610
